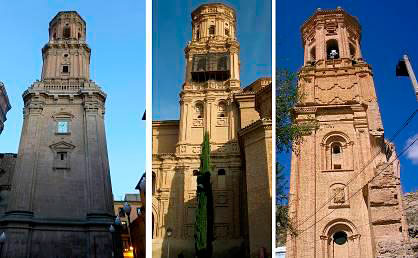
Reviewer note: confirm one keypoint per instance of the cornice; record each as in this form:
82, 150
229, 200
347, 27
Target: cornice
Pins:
264, 123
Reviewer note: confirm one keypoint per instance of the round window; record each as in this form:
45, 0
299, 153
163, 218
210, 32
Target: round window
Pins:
340, 238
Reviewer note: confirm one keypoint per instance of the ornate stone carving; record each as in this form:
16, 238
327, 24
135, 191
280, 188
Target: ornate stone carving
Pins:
339, 195
222, 121
197, 122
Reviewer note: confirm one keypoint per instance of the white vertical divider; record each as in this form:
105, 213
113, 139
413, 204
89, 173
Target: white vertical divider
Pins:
148, 94
273, 106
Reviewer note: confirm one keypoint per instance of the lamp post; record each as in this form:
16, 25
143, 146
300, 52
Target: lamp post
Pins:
404, 68
169, 232
127, 209
2, 241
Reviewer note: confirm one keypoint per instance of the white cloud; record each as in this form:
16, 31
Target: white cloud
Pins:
412, 152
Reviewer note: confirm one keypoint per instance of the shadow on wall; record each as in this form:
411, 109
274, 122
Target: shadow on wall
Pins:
181, 217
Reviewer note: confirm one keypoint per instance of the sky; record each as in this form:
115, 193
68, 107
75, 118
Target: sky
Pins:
172, 30
388, 31
116, 35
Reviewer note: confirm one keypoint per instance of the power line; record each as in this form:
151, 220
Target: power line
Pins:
364, 167
397, 158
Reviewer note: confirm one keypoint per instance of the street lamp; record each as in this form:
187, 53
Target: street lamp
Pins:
127, 210
2, 241
404, 68
169, 232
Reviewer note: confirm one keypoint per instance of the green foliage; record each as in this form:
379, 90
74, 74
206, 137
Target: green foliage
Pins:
288, 134
204, 212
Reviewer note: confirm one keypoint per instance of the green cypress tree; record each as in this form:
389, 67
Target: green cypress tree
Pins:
204, 212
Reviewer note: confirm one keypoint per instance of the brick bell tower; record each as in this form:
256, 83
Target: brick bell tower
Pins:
335, 215
61, 197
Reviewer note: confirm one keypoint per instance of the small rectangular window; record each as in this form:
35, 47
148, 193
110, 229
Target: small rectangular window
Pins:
62, 127
65, 69
62, 155
337, 166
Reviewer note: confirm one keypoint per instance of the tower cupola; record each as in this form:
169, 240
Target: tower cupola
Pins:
213, 20
66, 55
331, 35
213, 52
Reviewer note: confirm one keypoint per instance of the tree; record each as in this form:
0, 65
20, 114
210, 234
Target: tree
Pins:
204, 212
288, 136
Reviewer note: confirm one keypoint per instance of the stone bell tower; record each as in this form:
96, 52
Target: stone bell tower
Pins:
212, 76
207, 103
61, 197
335, 209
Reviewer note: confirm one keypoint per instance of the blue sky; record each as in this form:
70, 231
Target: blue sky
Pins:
116, 35
171, 32
388, 31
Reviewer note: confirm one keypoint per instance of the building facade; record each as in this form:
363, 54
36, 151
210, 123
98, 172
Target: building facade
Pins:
60, 204
345, 194
138, 225
239, 128
4, 106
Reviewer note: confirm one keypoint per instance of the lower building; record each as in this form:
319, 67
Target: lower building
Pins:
124, 236
4, 106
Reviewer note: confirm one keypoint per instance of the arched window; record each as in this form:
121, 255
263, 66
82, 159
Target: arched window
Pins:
352, 51
54, 36
313, 54
340, 239
222, 109
337, 152
221, 172
79, 36
66, 32
199, 110
212, 30
333, 52
197, 34
227, 32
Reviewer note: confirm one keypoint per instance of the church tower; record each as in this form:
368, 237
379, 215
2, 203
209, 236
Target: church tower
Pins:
207, 104
61, 198
212, 76
336, 209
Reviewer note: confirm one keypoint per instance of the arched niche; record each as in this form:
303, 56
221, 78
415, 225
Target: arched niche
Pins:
222, 109
340, 239
337, 152
333, 50
312, 54
198, 110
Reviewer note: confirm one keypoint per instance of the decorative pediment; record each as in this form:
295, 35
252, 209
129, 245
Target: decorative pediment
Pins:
62, 146
62, 114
